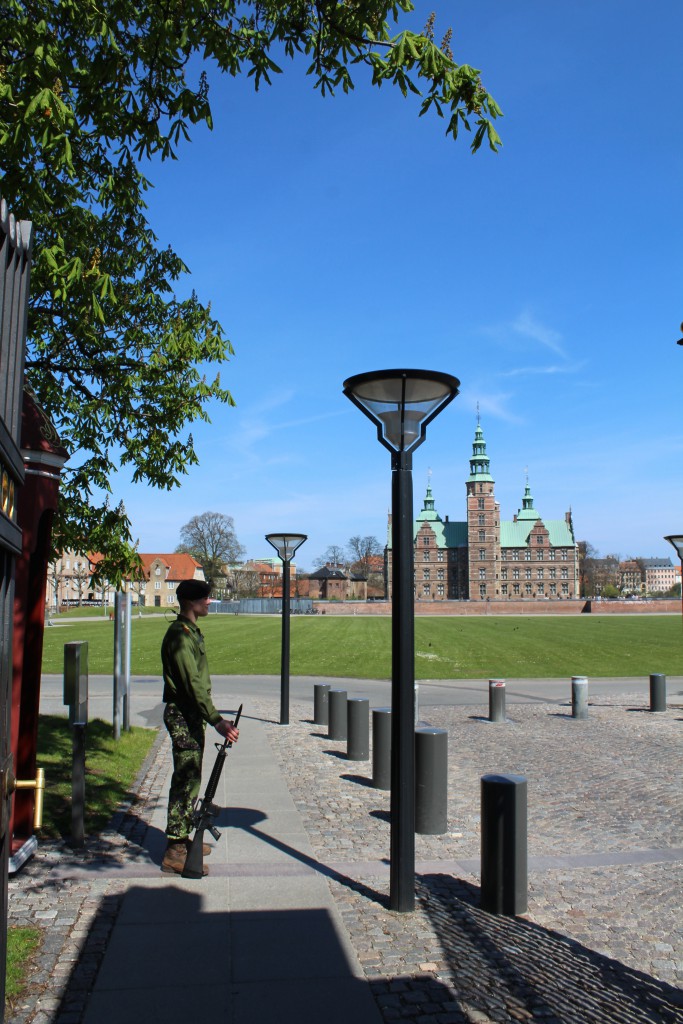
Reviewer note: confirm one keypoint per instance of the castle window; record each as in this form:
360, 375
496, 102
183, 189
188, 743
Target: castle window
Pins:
552, 573
539, 574
425, 574
539, 539
504, 589
440, 574
527, 555
539, 556
564, 555
439, 556
426, 591
541, 590
503, 574
527, 589
482, 535
482, 520
565, 574
551, 554
527, 574
482, 574
553, 589
425, 556
482, 590
480, 501
439, 589
515, 574
515, 588
482, 554
565, 588
425, 541
515, 555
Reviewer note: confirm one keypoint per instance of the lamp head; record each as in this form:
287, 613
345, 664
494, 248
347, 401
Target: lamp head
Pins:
401, 403
286, 543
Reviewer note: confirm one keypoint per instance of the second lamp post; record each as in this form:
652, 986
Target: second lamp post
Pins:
285, 544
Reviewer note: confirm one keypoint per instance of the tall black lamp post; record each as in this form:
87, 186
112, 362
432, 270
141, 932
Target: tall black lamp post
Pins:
677, 541
285, 544
401, 403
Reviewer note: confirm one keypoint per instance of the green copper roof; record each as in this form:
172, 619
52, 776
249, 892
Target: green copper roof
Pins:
479, 462
516, 535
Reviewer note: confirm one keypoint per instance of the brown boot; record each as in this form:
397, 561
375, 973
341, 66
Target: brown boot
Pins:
175, 857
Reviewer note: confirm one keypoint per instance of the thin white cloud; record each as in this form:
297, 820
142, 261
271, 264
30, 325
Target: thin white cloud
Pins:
529, 327
525, 371
493, 404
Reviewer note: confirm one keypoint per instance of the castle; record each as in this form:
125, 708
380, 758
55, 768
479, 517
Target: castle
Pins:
486, 559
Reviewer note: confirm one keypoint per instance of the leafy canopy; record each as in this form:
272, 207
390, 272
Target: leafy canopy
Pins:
92, 93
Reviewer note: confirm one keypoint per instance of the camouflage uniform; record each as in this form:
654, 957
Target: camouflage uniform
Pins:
187, 693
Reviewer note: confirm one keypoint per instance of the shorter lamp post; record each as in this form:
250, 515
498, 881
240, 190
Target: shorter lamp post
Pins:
676, 540
401, 403
285, 544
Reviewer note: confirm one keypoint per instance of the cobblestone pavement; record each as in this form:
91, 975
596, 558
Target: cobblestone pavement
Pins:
603, 937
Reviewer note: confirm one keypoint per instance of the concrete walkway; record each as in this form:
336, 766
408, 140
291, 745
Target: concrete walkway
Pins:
292, 923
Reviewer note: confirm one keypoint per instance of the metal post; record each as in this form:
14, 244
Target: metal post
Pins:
579, 697
321, 693
431, 781
381, 748
336, 729
657, 692
504, 844
402, 852
78, 786
358, 728
284, 664
121, 663
496, 700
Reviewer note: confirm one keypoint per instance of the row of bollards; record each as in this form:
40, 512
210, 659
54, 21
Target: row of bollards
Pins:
579, 697
348, 718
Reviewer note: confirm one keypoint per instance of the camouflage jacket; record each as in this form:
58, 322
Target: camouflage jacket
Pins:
187, 682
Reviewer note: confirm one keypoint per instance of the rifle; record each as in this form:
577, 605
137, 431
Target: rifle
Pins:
205, 811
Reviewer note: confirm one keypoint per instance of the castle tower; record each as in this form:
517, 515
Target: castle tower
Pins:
483, 524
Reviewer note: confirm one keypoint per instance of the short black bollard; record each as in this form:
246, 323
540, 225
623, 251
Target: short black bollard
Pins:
336, 726
431, 781
657, 692
496, 700
504, 844
579, 697
381, 748
320, 703
358, 728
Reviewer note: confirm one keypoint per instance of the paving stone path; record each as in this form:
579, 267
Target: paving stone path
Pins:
602, 940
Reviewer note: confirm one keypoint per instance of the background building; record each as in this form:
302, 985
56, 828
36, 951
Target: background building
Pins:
484, 558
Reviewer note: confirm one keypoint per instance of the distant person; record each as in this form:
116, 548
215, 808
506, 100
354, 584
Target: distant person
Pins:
187, 695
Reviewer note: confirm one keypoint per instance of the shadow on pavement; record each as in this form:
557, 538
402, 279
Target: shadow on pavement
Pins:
511, 968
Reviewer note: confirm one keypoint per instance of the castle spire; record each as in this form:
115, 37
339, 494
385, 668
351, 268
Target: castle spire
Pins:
479, 462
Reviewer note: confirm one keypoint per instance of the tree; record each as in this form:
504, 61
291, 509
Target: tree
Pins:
92, 95
334, 555
362, 551
210, 538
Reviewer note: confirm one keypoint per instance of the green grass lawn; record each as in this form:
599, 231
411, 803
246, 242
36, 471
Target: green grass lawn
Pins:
22, 943
445, 648
110, 769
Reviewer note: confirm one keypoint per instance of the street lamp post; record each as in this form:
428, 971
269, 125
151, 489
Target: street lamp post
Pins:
285, 544
401, 403
676, 540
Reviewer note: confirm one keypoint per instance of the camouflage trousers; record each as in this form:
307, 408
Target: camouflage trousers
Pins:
187, 743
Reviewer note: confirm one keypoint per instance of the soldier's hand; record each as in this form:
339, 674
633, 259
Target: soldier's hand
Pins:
227, 730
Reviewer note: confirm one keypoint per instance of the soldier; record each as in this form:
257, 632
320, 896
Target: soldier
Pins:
187, 694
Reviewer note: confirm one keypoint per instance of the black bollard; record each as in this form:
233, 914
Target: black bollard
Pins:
320, 703
336, 727
579, 697
358, 728
496, 700
657, 692
504, 844
431, 781
381, 748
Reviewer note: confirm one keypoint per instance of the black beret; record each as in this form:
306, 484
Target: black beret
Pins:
192, 590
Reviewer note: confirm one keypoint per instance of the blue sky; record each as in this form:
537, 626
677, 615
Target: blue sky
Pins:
343, 235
